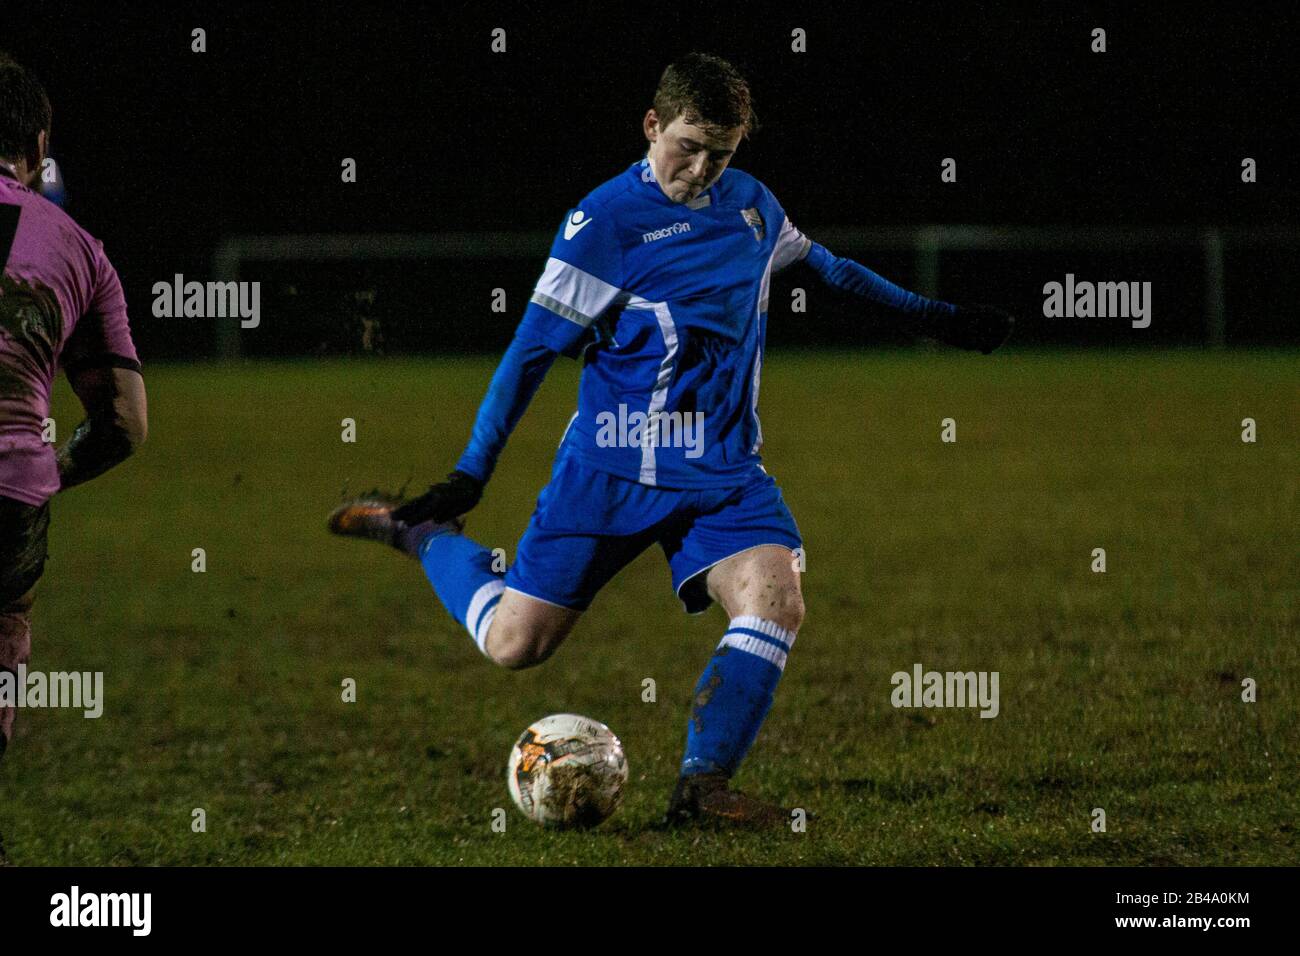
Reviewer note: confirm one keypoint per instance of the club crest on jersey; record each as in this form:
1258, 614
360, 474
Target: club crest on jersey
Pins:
755, 221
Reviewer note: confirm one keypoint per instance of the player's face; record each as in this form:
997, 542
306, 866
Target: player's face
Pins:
688, 159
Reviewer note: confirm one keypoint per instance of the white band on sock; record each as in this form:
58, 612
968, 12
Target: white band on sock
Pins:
478, 621
743, 634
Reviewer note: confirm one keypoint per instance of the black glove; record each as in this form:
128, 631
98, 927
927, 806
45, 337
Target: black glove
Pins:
980, 328
455, 496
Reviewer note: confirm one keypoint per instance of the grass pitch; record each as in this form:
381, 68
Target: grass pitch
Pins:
1119, 691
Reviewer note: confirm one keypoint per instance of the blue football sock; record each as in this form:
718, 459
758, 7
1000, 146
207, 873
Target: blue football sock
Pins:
734, 695
460, 571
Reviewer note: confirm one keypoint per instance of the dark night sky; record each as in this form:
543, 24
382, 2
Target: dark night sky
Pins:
165, 150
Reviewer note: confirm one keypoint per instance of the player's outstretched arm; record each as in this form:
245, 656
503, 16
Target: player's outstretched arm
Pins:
979, 328
115, 426
517, 379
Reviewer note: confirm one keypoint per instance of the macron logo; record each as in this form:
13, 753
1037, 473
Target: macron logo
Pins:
575, 224
675, 229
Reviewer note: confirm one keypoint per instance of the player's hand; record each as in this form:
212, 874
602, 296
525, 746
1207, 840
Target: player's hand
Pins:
442, 502
980, 328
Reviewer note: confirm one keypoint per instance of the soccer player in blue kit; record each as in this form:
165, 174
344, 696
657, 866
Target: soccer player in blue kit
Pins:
659, 281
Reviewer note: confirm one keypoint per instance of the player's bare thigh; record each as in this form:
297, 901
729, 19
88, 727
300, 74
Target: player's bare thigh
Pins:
761, 581
526, 630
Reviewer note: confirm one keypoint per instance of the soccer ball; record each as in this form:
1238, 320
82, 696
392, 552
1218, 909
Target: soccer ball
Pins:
567, 771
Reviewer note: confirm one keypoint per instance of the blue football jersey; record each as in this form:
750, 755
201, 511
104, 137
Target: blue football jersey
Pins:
667, 304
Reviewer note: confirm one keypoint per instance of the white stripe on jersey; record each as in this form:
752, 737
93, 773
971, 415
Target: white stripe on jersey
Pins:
659, 397
576, 295
791, 246
753, 405
763, 287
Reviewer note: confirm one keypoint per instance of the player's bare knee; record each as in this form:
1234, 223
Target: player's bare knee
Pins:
780, 603
502, 646
761, 583
790, 610
782, 606
533, 655
516, 646
518, 657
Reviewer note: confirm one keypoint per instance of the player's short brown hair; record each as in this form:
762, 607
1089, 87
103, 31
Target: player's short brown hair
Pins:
24, 109
705, 90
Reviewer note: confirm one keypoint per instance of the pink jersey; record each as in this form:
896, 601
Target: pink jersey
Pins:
61, 304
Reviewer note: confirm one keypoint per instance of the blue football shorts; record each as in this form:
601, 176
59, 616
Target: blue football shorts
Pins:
588, 525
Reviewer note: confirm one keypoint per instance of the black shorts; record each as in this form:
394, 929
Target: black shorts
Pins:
23, 536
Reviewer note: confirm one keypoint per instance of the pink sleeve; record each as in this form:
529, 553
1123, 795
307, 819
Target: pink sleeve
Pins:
102, 336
